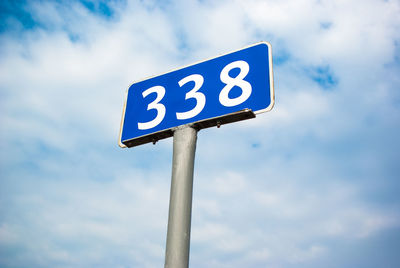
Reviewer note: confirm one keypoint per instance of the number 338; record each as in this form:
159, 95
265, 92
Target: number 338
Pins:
200, 98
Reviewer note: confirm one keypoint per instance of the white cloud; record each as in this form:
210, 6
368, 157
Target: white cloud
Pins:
304, 255
273, 191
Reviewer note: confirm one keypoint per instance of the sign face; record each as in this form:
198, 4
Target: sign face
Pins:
218, 87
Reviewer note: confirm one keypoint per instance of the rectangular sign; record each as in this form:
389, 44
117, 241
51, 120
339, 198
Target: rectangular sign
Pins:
223, 89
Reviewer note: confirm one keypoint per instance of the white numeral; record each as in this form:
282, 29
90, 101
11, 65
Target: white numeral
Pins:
237, 81
200, 98
160, 91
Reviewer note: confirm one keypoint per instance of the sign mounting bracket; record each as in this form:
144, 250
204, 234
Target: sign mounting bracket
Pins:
212, 122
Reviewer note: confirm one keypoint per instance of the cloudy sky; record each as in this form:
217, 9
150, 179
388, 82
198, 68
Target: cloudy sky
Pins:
313, 183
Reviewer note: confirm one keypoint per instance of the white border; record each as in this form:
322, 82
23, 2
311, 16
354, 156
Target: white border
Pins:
271, 80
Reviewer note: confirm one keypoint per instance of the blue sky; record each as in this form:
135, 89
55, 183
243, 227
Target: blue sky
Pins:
313, 183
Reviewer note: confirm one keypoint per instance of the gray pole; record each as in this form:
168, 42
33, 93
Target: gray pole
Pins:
180, 204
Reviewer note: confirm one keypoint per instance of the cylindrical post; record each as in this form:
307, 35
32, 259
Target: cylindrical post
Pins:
180, 204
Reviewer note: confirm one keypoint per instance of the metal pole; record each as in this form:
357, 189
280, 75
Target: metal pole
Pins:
180, 204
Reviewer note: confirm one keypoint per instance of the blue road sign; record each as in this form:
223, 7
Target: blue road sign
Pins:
224, 89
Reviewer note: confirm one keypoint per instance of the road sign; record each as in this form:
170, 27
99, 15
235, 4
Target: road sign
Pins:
224, 89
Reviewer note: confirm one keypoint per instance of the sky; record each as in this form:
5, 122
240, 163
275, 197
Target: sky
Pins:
315, 182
